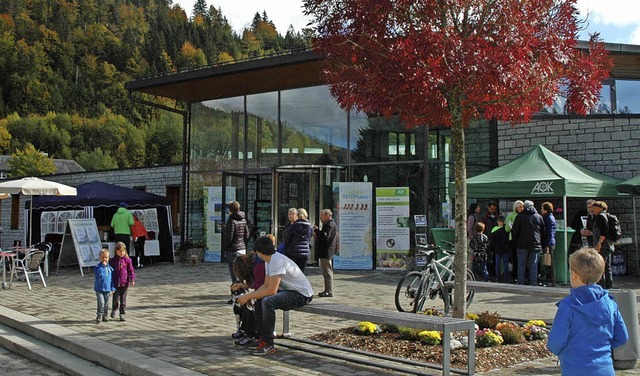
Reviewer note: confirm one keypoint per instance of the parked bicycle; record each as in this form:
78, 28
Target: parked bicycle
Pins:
417, 286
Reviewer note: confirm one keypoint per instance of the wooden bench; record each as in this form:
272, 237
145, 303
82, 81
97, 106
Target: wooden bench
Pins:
446, 325
479, 286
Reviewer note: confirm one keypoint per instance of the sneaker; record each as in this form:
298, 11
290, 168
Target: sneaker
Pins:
325, 294
244, 341
257, 344
238, 334
98, 319
104, 318
113, 314
122, 317
265, 350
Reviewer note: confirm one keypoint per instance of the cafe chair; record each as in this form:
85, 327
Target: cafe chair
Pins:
46, 248
30, 264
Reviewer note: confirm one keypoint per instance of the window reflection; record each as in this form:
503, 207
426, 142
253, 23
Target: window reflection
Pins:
616, 97
314, 127
628, 96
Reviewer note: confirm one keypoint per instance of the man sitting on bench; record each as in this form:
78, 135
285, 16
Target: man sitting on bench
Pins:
280, 272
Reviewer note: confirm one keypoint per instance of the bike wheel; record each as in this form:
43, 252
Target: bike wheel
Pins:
425, 292
470, 292
407, 291
448, 297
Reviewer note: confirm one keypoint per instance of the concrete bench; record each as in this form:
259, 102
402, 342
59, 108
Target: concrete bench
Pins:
479, 286
446, 325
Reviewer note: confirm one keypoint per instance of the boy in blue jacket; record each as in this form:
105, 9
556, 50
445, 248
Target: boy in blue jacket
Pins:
103, 284
588, 324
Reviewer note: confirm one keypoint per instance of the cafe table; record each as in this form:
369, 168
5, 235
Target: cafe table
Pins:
7, 257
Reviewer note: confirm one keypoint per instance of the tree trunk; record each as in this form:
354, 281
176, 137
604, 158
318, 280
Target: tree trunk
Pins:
460, 165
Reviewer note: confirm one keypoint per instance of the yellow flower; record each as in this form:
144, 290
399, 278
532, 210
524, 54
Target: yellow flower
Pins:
536, 323
430, 337
471, 316
366, 327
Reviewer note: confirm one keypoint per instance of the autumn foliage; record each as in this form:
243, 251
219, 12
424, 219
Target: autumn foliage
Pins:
427, 60
450, 62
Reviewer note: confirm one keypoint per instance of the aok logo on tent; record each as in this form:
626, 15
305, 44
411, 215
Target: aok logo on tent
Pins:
542, 188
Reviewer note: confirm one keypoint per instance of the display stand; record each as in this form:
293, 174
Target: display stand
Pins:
81, 244
421, 238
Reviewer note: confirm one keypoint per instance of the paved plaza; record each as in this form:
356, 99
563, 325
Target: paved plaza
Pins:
177, 314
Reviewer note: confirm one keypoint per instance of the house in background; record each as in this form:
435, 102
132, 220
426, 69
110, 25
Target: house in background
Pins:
63, 166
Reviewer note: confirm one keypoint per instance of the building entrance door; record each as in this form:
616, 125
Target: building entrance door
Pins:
308, 187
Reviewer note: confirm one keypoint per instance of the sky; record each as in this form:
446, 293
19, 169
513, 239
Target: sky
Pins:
617, 21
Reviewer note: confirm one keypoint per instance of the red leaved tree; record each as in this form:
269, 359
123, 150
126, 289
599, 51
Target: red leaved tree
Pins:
451, 62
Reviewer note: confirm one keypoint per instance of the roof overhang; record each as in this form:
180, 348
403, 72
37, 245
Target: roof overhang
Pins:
282, 72
296, 70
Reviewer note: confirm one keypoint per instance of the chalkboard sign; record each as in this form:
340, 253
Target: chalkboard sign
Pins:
83, 237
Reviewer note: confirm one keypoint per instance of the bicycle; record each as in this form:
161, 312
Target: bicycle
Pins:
415, 287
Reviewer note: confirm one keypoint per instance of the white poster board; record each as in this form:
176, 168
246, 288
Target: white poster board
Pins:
86, 241
393, 227
213, 219
354, 211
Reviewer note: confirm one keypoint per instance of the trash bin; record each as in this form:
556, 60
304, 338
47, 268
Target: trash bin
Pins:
626, 356
448, 234
561, 257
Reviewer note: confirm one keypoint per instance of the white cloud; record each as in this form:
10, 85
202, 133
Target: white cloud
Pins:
613, 12
635, 36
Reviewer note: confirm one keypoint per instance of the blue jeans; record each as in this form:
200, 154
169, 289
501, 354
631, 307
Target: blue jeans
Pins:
103, 302
502, 261
480, 269
284, 300
231, 257
528, 259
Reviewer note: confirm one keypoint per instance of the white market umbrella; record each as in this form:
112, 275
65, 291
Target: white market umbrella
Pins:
35, 187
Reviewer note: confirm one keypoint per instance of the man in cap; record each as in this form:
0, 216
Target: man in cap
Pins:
528, 230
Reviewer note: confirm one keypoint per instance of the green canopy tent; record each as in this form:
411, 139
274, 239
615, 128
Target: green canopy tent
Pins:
540, 174
632, 187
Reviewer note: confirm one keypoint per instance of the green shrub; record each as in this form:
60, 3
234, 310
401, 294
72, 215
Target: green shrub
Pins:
410, 334
512, 335
389, 328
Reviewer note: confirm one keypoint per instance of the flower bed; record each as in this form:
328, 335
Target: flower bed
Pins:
504, 344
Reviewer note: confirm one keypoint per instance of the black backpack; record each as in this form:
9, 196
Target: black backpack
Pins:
615, 231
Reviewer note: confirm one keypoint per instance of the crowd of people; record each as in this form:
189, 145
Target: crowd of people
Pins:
519, 248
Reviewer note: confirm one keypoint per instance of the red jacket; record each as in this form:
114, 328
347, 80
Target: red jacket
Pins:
138, 229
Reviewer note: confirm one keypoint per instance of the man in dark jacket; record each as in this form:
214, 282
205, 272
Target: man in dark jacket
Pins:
490, 220
326, 245
604, 246
528, 230
234, 236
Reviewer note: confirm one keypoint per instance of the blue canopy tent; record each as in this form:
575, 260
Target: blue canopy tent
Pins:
101, 200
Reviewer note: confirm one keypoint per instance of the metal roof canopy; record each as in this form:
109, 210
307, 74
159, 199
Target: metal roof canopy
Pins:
283, 72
